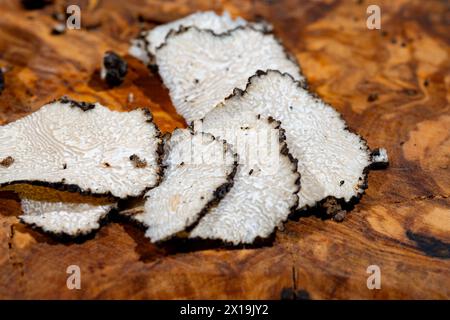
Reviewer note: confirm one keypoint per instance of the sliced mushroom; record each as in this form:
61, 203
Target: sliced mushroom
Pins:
82, 147
199, 172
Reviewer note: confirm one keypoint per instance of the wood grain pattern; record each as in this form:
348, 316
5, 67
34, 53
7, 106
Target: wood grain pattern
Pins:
401, 224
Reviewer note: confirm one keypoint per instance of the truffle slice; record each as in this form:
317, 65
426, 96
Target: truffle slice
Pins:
144, 47
71, 219
2, 80
81, 147
114, 69
266, 182
201, 68
35, 4
199, 171
333, 161
61, 213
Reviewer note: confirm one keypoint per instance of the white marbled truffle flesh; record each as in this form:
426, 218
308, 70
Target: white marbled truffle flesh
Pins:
201, 68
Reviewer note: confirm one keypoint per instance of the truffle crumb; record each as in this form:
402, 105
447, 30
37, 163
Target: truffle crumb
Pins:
114, 69
64, 166
7, 162
2, 81
372, 97
138, 162
341, 182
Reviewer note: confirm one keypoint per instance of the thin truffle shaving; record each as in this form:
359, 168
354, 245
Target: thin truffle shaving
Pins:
199, 172
81, 147
201, 68
266, 183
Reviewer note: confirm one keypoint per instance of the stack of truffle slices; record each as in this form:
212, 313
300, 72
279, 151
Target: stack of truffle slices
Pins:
235, 80
70, 162
259, 145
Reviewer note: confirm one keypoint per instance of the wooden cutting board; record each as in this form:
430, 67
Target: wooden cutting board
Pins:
392, 87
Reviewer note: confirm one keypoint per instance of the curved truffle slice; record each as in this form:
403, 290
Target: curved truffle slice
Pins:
201, 68
144, 47
199, 172
61, 213
380, 159
332, 160
266, 183
114, 69
81, 147
72, 219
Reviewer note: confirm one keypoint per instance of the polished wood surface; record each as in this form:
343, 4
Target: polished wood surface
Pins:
392, 87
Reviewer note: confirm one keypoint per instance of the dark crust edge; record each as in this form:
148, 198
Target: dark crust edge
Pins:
249, 26
362, 185
216, 195
269, 239
73, 188
80, 236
